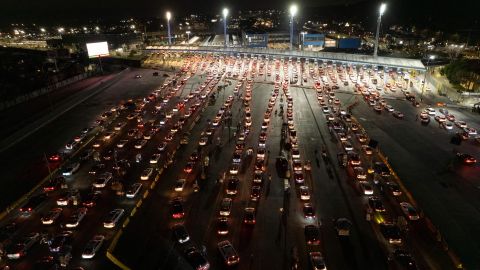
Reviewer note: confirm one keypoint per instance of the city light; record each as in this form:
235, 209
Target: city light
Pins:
225, 14
61, 30
293, 10
383, 7
169, 16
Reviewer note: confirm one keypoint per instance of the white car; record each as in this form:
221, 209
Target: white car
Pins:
154, 159
366, 188
133, 190
140, 144
122, 143
304, 193
77, 217
179, 185
51, 216
102, 180
113, 217
430, 111
146, 174
409, 211
461, 124
71, 169
389, 108
93, 246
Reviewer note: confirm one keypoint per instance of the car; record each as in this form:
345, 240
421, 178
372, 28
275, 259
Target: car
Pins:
96, 168
140, 144
353, 158
304, 193
180, 233
119, 126
297, 165
234, 168
122, 143
447, 125
196, 259
466, 158
295, 153
55, 158
391, 233
376, 204
232, 186
366, 188
228, 252
179, 185
203, 141
74, 220
146, 174
177, 208
71, 168
325, 109
359, 173
138, 76
409, 211
430, 111
394, 188
19, 248
343, 226
362, 138
249, 216
461, 124
109, 135
133, 190
237, 156
225, 206
255, 193
398, 114
61, 239
189, 167
367, 149
90, 200
470, 130
222, 226
389, 108
51, 216
32, 204
298, 176
56, 183
404, 258
308, 211
102, 180
312, 235
317, 261
155, 158
113, 217
70, 197
93, 246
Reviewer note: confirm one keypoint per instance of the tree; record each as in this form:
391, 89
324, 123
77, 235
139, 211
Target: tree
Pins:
464, 73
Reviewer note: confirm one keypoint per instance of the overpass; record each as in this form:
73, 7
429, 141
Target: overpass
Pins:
403, 63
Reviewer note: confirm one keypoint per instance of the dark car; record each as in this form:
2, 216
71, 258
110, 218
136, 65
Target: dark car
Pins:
466, 158
404, 259
58, 241
90, 200
33, 203
391, 233
55, 184
177, 208
180, 233
249, 216
196, 259
312, 235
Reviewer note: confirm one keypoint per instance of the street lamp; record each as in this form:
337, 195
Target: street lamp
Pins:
293, 11
188, 35
225, 14
431, 57
169, 16
383, 6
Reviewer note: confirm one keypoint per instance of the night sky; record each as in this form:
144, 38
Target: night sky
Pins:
447, 14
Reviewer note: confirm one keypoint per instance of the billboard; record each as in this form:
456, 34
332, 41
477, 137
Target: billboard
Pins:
314, 40
97, 49
256, 40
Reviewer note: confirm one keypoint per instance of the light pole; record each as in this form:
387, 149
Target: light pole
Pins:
383, 6
188, 36
293, 11
225, 14
303, 40
431, 57
169, 16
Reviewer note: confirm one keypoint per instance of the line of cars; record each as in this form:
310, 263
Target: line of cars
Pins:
72, 205
344, 129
